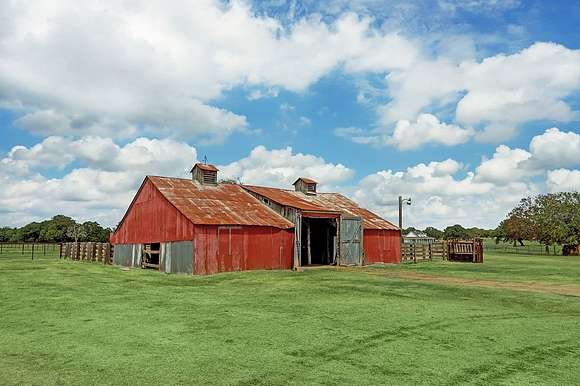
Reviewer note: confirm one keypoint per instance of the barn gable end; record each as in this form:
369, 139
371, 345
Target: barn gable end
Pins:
152, 217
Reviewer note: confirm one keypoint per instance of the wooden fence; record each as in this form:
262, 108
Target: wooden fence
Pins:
452, 250
465, 250
88, 251
423, 252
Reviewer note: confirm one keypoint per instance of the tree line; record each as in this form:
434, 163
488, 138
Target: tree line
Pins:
56, 230
547, 218
453, 232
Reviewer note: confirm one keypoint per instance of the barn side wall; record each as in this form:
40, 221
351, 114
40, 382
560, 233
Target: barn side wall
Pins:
382, 246
240, 248
152, 219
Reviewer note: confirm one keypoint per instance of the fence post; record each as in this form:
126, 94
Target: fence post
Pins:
22, 248
32, 251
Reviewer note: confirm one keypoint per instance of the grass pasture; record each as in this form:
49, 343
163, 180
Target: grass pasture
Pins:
66, 322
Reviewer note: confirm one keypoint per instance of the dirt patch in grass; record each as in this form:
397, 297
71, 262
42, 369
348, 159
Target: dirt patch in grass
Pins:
560, 289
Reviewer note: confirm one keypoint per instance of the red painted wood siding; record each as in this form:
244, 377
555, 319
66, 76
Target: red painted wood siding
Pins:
151, 218
382, 246
240, 248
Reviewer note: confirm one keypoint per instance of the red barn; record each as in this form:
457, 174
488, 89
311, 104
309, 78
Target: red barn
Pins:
199, 226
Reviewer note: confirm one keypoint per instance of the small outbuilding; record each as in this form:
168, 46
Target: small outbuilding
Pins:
418, 238
200, 226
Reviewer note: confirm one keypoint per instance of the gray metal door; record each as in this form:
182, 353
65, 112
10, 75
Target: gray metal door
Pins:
351, 248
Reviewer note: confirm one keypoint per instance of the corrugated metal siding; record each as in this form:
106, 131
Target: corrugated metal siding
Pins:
382, 246
239, 248
151, 218
127, 255
181, 257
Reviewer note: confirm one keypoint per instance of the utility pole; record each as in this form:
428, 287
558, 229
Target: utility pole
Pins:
401, 202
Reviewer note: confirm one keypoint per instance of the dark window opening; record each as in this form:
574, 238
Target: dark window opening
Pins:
150, 257
318, 241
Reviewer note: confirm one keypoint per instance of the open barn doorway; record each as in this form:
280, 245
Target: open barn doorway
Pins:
318, 238
150, 257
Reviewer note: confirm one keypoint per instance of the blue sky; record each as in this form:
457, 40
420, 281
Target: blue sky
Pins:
467, 106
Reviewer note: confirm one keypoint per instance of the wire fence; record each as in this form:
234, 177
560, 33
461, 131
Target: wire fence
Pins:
30, 250
530, 249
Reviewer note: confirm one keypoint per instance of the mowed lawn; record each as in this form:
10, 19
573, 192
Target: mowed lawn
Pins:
64, 322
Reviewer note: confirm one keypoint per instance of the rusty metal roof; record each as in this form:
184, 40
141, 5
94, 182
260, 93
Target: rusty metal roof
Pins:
306, 180
206, 167
222, 204
338, 202
286, 198
322, 203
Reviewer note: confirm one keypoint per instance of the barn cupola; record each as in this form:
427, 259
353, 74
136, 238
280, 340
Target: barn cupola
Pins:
305, 185
204, 174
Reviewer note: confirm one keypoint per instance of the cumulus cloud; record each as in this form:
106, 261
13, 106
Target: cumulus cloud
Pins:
555, 148
495, 95
121, 69
281, 167
427, 129
99, 187
445, 192
505, 166
563, 180
549, 150
440, 196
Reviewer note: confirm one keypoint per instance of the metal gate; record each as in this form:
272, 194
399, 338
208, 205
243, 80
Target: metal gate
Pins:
351, 248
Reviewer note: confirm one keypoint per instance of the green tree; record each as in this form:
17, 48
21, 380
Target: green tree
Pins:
94, 232
455, 232
434, 232
548, 218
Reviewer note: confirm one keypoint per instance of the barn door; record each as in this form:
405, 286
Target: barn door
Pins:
351, 248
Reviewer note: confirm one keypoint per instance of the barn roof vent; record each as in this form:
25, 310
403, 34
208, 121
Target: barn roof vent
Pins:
305, 185
204, 174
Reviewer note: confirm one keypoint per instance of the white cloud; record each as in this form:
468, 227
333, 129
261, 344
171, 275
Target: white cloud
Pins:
564, 180
498, 93
555, 148
504, 167
426, 130
100, 188
443, 196
440, 197
552, 149
122, 69
281, 167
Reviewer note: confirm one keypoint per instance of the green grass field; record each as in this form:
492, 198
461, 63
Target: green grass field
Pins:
66, 322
